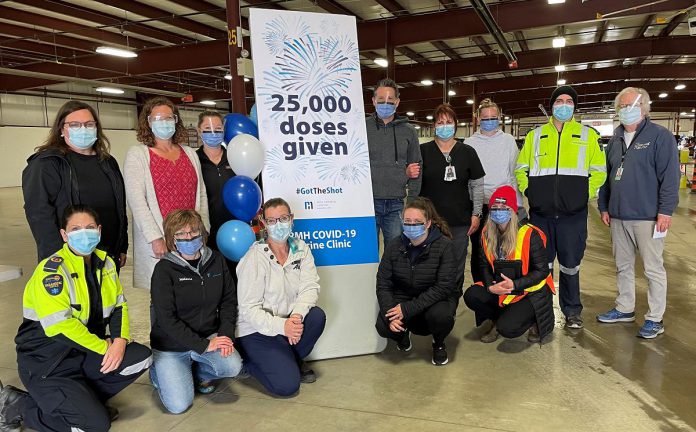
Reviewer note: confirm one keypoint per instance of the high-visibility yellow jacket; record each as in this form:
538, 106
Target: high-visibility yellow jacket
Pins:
559, 172
57, 309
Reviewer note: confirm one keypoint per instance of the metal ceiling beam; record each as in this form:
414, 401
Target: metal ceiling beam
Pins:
673, 24
27, 46
203, 7
640, 33
393, 6
521, 41
265, 4
601, 31
447, 50
483, 46
449, 4
408, 52
460, 23
42, 37
334, 7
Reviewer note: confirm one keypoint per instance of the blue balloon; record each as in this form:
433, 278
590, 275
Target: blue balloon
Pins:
234, 238
236, 124
242, 197
253, 115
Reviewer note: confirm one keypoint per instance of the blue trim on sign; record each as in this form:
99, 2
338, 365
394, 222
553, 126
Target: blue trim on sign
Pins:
339, 241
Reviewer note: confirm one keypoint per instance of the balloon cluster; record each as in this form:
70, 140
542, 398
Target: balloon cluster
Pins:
241, 194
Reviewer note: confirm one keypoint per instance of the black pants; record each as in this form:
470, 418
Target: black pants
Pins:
512, 320
475, 264
74, 394
566, 238
437, 320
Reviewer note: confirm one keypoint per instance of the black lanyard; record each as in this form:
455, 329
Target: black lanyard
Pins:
635, 136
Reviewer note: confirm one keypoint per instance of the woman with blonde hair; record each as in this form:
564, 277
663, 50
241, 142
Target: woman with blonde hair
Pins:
161, 176
416, 288
515, 291
498, 152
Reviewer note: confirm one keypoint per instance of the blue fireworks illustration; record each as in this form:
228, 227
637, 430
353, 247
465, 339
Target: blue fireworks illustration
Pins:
279, 31
282, 169
352, 168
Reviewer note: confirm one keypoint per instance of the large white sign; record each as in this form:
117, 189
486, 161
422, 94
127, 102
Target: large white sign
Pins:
312, 123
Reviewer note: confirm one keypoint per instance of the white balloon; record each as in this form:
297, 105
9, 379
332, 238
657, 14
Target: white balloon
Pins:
246, 155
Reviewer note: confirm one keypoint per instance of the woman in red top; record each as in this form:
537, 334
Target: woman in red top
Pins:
161, 176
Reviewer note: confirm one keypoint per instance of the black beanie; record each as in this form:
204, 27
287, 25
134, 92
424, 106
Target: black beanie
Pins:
566, 89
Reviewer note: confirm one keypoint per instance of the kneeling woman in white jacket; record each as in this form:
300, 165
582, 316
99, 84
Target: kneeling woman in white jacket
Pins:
279, 321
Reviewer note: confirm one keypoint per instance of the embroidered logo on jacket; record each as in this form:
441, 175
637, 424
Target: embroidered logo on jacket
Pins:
185, 279
53, 284
641, 146
296, 264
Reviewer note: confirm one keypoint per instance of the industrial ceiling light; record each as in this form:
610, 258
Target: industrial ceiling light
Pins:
228, 77
462, 124
662, 95
556, 1
118, 52
470, 101
429, 117
683, 113
416, 127
561, 82
558, 42
559, 68
451, 92
427, 82
110, 90
381, 62
207, 103
410, 113
246, 79
680, 86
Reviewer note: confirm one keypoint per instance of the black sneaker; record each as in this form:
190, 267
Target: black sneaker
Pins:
113, 413
440, 355
574, 322
10, 416
307, 375
405, 343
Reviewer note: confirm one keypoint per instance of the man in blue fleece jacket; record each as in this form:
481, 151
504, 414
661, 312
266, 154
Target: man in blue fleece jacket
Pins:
637, 201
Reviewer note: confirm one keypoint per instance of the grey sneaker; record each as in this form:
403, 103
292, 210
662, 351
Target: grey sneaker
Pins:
574, 322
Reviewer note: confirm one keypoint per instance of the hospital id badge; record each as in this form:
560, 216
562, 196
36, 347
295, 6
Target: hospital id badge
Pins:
450, 173
619, 172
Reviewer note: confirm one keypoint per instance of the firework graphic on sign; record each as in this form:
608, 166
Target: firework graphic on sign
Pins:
284, 170
279, 31
351, 168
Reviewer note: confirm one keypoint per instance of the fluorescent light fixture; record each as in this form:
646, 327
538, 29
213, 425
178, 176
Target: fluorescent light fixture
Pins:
680, 87
662, 95
561, 82
683, 113
416, 127
110, 90
558, 42
556, 1
410, 113
470, 101
462, 124
559, 68
507, 117
118, 52
246, 79
693, 110
381, 62
207, 103
429, 117
427, 82
451, 92
228, 77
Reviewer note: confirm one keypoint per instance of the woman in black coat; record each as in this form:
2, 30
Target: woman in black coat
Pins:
516, 290
416, 287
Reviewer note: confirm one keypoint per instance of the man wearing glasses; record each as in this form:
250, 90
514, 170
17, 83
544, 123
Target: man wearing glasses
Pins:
559, 168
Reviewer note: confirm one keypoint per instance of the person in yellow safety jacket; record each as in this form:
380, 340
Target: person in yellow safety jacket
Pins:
515, 293
67, 361
560, 167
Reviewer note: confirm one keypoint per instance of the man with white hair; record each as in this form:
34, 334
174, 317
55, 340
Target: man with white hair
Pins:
637, 201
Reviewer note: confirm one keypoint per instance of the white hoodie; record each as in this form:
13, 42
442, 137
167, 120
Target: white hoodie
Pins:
498, 155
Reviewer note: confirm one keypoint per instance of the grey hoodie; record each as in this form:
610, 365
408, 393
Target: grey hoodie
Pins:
392, 147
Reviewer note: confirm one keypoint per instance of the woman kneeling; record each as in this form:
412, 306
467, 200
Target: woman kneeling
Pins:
515, 293
194, 311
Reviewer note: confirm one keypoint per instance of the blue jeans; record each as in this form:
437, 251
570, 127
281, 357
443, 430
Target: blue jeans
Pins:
388, 217
173, 372
274, 362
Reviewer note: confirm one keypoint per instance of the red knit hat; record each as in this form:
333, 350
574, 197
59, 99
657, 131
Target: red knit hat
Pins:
504, 195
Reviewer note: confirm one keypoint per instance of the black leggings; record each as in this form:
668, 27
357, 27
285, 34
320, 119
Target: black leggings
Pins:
512, 320
437, 320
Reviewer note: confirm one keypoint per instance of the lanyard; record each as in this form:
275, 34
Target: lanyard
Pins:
625, 150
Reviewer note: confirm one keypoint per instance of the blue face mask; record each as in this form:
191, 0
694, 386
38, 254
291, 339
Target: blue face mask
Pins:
84, 241
82, 137
489, 125
629, 116
500, 216
189, 247
385, 110
444, 132
212, 139
413, 232
163, 129
280, 231
563, 113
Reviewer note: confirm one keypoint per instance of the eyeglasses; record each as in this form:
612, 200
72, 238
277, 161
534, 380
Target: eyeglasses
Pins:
284, 219
166, 117
78, 125
183, 235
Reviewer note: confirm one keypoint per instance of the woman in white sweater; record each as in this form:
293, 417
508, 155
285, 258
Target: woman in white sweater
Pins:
498, 152
161, 176
279, 320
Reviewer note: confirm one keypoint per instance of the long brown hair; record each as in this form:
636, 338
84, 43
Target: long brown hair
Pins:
56, 141
144, 133
428, 208
505, 240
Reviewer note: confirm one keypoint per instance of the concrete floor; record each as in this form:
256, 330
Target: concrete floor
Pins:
601, 378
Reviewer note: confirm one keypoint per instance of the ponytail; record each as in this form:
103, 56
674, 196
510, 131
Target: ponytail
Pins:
428, 208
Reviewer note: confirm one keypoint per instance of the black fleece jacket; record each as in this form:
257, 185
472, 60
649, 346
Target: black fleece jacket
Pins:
190, 304
416, 277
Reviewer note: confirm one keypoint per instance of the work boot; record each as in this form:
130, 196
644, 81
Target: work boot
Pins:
307, 375
533, 334
492, 334
11, 399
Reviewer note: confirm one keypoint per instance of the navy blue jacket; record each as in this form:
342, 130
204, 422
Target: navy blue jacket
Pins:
650, 180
